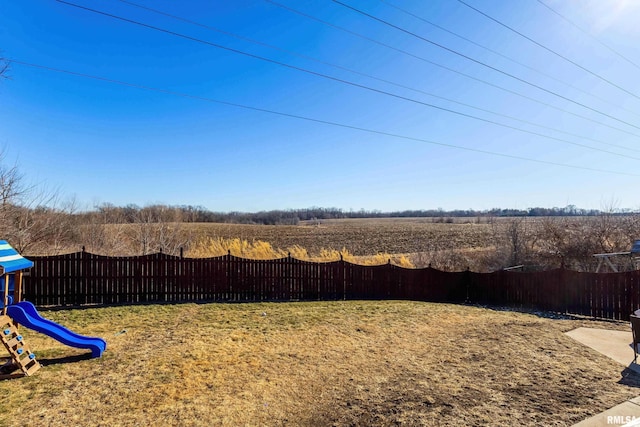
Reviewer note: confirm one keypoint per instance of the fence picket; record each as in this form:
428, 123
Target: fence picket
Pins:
84, 278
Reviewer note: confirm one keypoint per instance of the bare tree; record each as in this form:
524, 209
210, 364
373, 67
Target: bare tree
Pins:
12, 187
12, 191
103, 231
553, 241
4, 68
40, 223
630, 227
514, 240
516, 233
32, 218
159, 228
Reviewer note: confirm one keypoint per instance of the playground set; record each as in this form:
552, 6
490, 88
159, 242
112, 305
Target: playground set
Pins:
16, 312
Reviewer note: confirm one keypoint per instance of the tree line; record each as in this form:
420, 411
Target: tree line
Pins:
131, 214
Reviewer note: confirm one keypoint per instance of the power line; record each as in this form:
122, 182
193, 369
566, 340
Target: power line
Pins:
444, 67
589, 34
314, 120
495, 52
549, 49
379, 91
218, 30
208, 27
455, 52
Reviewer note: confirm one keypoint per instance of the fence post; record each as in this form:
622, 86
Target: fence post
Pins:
85, 282
291, 277
229, 279
468, 284
343, 278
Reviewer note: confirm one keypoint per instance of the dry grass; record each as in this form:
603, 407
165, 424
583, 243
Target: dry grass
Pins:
408, 242
361, 237
316, 364
259, 249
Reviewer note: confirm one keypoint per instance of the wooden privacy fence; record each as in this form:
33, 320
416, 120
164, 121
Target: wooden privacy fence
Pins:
83, 278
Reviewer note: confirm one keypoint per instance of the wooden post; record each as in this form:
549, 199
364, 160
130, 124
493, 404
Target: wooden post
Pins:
17, 288
17, 292
5, 294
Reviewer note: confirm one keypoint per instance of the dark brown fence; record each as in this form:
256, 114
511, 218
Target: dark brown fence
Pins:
83, 278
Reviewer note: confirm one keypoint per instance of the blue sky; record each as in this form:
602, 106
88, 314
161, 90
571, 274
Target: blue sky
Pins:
103, 142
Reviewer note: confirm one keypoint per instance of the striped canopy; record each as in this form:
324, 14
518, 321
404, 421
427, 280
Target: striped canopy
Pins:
11, 260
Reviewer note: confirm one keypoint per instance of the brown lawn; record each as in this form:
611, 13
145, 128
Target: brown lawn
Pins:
316, 364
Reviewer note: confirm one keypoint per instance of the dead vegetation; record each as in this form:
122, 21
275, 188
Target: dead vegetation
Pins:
259, 249
481, 244
316, 364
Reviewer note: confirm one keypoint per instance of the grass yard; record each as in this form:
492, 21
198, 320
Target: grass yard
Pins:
316, 364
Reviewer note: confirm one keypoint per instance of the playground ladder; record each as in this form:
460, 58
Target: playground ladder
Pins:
22, 357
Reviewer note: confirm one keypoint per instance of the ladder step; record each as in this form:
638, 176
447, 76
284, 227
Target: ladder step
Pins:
31, 368
22, 357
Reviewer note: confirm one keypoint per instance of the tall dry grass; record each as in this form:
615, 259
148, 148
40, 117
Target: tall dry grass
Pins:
259, 249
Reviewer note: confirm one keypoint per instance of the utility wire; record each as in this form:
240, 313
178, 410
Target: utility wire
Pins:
379, 91
549, 49
589, 34
208, 27
495, 52
314, 120
455, 52
502, 88
218, 30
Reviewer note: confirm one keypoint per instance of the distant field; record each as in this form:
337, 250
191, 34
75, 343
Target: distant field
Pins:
361, 236
451, 244
353, 363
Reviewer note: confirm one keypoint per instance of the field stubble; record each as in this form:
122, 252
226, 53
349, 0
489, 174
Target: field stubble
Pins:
316, 364
419, 238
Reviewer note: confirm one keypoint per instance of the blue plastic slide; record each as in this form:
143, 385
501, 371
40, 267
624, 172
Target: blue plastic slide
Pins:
26, 314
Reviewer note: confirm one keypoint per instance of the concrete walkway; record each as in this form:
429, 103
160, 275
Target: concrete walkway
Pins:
613, 344
618, 346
